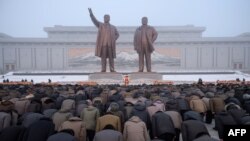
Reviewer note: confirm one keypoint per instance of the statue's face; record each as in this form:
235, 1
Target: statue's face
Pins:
144, 21
106, 18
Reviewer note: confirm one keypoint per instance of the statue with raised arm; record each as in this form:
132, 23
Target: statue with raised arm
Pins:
144, 38
106, 41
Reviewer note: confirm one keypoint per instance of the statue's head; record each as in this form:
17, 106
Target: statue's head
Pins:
144, 20
106, 18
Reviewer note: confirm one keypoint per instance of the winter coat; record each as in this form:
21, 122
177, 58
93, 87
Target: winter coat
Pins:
191, 128
30, 118
152, 110
35, 106
77, 125
206, 102
135, 130
171, 105
22, 106
161, 124
90, 116
49, 113
140, 111
176, 118
108, 119
49, 104
115, 97
192, 115
205, 138
59, 117
5, 120
198, 105
62, 137
68, 104
221, 119
59, 101
216, 104
159, 103
182, 104
80, 106
237, 114
13, 133
40, 130
108, 135
6, 106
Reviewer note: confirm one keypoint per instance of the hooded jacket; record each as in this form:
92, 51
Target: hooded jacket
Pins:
135, 130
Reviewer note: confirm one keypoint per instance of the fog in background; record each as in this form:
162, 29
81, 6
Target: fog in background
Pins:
27, 18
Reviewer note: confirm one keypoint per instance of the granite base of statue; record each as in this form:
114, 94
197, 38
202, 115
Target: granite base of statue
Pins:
145, 75
106, 76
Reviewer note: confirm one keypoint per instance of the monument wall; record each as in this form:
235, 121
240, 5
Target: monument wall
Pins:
72, 48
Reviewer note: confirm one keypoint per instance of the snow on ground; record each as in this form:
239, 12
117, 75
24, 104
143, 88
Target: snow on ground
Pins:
207, 77
171, 77
44, 78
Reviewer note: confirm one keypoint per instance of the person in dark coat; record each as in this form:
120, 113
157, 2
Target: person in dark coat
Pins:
247, 105
28, 118
115, 96
222, 119
108, 134
205, 137
49, 113
40, 130
182, 105
35, 106
192, 115
141, 111
191, 129
13, 133
63, 135
162, 126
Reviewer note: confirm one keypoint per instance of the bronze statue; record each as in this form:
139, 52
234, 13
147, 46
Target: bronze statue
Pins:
144, 38
106, 41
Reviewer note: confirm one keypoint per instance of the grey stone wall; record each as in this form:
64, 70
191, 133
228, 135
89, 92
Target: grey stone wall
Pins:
196, 52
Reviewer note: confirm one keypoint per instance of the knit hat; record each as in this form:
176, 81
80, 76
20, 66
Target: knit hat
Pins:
246, 96
114, 107
209, 94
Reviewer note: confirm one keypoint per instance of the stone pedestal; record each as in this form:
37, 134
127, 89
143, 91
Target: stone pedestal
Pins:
145, 75
106, 76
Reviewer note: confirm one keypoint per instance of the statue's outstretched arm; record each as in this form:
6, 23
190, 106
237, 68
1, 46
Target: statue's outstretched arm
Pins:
94, 20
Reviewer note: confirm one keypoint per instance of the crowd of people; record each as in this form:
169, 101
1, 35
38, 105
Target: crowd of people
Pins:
45, 112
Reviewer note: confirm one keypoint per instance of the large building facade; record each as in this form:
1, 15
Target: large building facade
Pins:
72, 49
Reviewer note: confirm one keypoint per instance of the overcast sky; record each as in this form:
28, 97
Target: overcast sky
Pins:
26, 18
